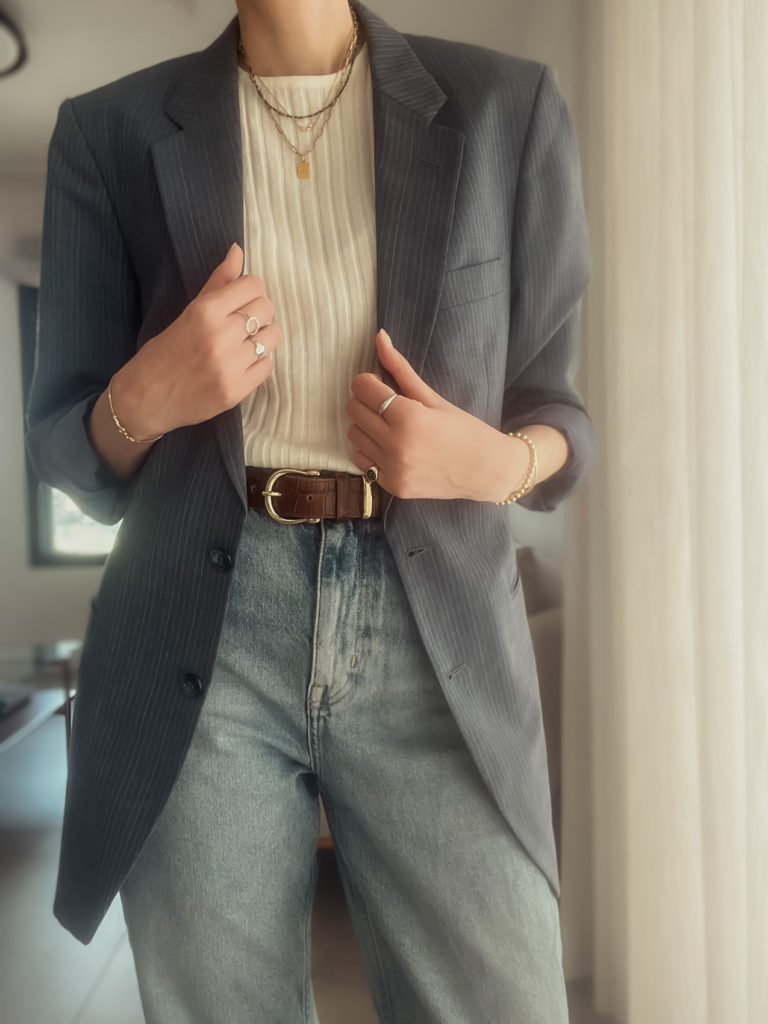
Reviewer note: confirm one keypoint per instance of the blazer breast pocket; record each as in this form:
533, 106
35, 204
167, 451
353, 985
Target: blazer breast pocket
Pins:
472, 282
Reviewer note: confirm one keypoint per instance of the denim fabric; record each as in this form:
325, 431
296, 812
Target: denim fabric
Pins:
322, 684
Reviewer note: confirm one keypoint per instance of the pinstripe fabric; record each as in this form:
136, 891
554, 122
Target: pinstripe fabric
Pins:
482, 259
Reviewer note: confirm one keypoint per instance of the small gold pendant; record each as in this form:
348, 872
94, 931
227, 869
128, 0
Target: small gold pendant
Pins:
302, 168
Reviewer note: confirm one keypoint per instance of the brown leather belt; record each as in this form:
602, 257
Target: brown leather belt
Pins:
309, 495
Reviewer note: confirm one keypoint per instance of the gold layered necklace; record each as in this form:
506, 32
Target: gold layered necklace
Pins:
317, 120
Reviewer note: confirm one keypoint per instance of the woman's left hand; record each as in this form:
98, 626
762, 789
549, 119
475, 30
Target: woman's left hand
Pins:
423, 446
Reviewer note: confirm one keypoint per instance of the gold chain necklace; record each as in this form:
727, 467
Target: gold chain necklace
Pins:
349, 56
303, 167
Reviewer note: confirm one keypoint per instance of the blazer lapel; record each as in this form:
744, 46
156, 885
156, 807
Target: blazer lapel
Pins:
417, 165
199, 168
199, 172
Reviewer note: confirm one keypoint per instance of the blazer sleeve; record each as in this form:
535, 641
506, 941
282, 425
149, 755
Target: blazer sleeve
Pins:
88, 322
550, 272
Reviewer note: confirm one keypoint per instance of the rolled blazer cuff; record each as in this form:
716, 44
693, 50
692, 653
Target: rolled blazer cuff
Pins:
580, 433
64, 458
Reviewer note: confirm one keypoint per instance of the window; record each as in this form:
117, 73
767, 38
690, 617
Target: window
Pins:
59, 533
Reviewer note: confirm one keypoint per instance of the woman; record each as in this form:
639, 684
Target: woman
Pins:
353, 627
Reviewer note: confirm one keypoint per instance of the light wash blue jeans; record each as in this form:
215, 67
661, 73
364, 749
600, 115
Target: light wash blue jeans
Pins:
322, 684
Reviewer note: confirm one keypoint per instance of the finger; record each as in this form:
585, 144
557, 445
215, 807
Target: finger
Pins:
363, 460
262, 308
257, 373
231, 332
371, 390
241, 293
375, 426
230, 268
367, 444
270, 337
235, 294
408, 381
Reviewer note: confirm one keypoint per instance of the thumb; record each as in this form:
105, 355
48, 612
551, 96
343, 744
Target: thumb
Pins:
410, 383
230, 268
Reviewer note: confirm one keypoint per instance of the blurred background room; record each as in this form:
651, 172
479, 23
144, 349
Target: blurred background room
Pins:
647, 594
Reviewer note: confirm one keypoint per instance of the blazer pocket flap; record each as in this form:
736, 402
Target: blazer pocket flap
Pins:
465, 284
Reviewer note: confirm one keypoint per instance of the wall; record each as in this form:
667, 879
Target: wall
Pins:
39, 604
536, 29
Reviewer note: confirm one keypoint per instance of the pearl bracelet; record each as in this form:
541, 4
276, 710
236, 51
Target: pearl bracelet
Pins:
530, 477
119, 425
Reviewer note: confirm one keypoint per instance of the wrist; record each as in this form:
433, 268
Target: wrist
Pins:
504, 467
528, 482
132, 403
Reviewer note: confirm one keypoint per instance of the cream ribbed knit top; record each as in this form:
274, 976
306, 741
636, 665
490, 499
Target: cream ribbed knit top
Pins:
313, 241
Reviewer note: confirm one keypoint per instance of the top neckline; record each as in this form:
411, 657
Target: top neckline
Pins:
307, 81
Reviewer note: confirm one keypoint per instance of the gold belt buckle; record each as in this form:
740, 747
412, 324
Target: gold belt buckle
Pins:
269, 494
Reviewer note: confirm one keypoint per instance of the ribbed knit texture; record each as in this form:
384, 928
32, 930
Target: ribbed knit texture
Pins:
313, 241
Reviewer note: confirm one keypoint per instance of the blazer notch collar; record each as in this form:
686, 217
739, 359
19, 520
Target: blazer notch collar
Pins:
395, 68
210, 79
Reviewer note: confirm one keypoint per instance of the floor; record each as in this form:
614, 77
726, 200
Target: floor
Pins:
96, 984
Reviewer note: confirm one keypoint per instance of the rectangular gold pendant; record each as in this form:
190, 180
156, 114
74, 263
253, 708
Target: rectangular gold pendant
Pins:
302, 169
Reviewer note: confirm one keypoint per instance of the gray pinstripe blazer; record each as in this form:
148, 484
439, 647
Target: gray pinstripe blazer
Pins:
482, 261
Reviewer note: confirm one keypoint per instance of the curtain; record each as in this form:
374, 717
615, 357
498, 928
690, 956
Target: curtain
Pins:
665, 716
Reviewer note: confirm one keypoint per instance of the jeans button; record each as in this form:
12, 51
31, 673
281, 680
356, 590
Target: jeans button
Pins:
191, 685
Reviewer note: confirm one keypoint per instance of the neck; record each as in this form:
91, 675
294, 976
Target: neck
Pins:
295, 37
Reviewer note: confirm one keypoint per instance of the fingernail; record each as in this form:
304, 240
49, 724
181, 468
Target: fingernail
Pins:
387, 338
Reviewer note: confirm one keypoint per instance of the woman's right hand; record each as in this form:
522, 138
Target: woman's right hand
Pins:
199, 366
204, 362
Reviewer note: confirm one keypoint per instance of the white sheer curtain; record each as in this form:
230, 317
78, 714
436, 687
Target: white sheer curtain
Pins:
665, 801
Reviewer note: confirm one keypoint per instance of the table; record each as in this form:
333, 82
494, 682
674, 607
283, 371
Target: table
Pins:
50, 670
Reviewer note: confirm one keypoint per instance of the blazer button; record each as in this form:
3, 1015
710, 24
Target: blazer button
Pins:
191, 685
220, 559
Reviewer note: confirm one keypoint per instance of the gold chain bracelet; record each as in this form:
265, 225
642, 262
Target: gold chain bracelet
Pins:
529, 481
119, 425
